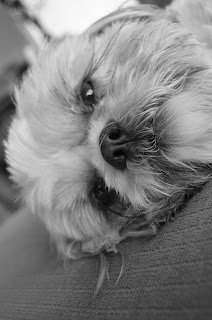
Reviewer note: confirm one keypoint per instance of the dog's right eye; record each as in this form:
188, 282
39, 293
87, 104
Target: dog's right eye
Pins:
87, 94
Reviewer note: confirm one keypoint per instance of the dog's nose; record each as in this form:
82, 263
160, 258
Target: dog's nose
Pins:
114, 145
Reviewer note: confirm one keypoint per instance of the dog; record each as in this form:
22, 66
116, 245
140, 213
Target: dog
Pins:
113, 128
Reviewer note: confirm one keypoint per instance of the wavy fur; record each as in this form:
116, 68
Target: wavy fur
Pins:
151, 74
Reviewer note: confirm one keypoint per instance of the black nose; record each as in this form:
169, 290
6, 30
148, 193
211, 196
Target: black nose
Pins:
114, 145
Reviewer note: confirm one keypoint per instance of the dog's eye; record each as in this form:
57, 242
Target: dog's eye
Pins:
87, 94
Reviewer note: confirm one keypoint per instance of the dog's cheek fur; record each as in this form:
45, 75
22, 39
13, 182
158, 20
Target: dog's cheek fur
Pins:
185, 120
47, 98
59, 198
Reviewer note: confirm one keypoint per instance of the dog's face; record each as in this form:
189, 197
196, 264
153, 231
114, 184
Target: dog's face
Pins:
111, 126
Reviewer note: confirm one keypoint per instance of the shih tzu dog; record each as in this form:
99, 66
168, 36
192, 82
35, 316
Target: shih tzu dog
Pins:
114, 126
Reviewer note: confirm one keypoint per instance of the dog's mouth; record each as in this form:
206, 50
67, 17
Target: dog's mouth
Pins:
114, 207
107, 199
118, 212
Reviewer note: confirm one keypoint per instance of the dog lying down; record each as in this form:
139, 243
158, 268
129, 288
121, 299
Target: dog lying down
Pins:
114, 126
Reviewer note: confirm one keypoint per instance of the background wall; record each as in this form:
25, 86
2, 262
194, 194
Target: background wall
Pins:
12, 40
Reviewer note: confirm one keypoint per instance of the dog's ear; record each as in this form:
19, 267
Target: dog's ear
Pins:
196, 16
25, 164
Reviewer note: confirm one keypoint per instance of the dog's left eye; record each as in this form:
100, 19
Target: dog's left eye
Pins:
87, 94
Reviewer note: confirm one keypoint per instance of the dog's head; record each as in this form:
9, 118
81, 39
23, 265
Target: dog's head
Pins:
112, 125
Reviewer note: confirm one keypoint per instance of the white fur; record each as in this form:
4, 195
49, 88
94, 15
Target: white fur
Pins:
151, 76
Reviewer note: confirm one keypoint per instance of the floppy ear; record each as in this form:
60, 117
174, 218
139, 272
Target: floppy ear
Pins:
192, 119
196, 16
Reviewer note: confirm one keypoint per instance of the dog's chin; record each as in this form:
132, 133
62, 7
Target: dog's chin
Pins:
104, 220
106, 214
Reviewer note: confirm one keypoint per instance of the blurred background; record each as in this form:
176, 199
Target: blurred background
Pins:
24, 26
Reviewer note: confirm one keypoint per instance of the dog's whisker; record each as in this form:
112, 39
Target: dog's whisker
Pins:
103, 273
122, 267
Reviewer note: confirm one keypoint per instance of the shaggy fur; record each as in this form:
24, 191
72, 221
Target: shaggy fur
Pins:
148, 72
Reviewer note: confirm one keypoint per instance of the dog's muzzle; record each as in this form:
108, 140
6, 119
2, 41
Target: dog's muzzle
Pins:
115, 145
